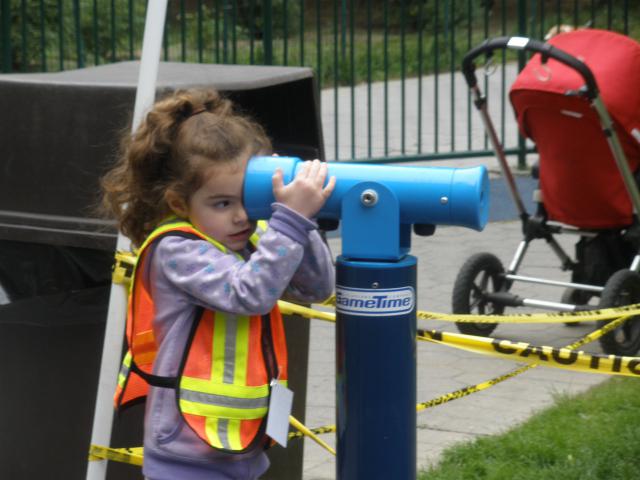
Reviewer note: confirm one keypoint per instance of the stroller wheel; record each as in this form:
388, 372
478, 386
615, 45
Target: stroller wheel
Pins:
622, 288
482, 273
575, 297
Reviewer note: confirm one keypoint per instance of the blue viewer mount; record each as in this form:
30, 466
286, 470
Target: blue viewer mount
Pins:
376, 295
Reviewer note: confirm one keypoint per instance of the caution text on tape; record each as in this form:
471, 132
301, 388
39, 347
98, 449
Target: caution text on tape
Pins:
564, 358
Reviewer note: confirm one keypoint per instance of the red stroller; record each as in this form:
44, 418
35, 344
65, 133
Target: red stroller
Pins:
578, 99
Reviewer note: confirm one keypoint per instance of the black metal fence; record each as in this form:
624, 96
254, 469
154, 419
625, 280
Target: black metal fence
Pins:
387, 70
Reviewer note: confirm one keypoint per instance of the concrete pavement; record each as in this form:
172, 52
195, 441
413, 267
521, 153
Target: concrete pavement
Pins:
436, 114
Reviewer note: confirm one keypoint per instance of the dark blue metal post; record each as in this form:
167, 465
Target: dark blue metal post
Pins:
376, 369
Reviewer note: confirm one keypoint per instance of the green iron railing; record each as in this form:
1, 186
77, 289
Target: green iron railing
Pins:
387, 70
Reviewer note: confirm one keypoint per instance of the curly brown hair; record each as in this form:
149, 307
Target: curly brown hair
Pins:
182, 134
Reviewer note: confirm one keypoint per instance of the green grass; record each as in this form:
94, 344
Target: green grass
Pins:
592, 436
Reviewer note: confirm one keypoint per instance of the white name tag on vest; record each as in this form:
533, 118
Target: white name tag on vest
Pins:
279, 411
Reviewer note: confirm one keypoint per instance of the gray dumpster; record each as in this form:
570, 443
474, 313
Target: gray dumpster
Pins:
59, 134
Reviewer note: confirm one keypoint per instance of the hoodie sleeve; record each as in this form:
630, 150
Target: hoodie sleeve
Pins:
290, 252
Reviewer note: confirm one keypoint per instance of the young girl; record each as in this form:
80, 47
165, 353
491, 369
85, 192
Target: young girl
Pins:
203, 326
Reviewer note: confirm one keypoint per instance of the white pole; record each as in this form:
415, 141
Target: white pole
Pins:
116, 317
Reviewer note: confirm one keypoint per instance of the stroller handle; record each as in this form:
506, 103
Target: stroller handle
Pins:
528, 44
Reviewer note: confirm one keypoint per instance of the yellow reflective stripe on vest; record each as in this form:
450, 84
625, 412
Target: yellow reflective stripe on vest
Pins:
169, 224
230, 349
208, 405
261, 227
219, 340
225, 399
223, 389
172, 224
218, 431
241, 351
124, 369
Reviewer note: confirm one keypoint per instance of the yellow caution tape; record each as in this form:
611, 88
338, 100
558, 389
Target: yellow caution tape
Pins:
135, 455
309, 433
125, 263
555, 317
520, 351
316, 431
548, 356
565, 358
123, 267
331, 301
287, 308
463, 392
132, 456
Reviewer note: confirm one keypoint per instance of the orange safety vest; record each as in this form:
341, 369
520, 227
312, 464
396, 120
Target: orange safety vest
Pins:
223, 384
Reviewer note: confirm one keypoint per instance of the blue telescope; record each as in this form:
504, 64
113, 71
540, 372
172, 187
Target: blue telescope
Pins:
376, 299
385, 198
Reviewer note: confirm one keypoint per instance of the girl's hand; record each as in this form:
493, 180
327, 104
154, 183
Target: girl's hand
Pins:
306, 194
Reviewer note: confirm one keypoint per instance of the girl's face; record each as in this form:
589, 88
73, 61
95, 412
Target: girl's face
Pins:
216, 208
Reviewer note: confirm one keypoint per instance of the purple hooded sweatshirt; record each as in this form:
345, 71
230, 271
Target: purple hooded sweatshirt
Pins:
291, 262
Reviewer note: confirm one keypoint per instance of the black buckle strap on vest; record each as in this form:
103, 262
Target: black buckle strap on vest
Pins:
158, 380
268, 349
154, 380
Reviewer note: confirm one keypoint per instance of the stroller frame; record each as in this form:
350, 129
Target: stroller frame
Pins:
538, 226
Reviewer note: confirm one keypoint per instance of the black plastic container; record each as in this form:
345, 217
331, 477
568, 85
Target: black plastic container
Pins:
60, 133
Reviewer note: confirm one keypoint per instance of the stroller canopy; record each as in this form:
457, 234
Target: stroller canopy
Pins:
579, 179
